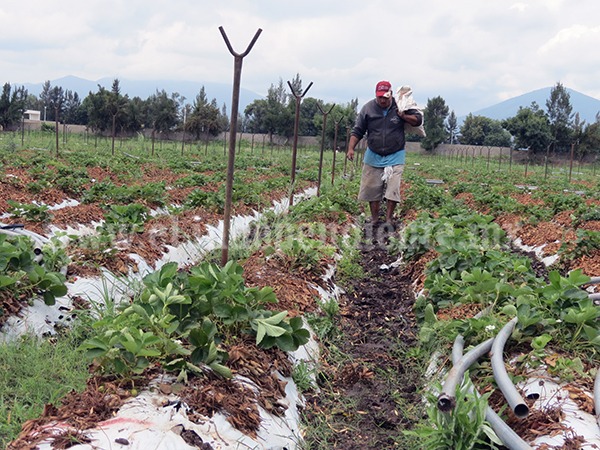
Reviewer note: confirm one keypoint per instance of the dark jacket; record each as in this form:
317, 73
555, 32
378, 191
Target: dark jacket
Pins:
385, 133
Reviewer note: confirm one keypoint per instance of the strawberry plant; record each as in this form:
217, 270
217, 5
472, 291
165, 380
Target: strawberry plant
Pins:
181, 319
303, 254
125, 219
212, 201
32, 211
587, 242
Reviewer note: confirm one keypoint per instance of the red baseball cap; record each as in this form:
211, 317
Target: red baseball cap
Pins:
383, 89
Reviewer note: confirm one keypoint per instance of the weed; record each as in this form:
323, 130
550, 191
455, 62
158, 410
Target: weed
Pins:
303, 376
462, 428
35, 372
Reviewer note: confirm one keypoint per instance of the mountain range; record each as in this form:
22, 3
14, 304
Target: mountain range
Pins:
587, 107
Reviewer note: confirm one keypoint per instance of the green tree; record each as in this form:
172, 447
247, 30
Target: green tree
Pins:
271, 115
308, 111
590, 140
34, 103
135, 115
434, 115
73, 111
530, 129
344, 115
96, 105
206, 118
480, 130
223, 119
560, 116
452, 126
56, 103
162, 112
12, 105
45, 100
117, 104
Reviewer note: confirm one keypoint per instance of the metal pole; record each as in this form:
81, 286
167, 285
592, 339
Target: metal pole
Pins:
56, 127
322, 145
235, 100
183, 134
547, 162
295, 146
337, 124
347, 141
571, 162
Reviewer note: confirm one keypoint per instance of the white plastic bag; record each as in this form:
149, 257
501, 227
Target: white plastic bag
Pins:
404, 100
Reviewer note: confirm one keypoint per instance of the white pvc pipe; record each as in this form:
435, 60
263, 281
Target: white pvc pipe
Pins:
506, 434
509, 391
447, 399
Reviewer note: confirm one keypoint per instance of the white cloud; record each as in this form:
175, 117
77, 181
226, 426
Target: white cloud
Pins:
471, 53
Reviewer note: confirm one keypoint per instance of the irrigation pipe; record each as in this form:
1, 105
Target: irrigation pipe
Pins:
37, 248
509, 391
18, 230
446, 399
506, 434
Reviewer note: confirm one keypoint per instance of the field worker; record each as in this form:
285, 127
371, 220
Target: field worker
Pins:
383, 163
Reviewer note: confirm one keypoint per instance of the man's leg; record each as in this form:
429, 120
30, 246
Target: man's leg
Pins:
371, 189
389, 213
374, 207
392, 193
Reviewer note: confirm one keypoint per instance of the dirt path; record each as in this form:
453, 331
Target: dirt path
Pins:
374, 395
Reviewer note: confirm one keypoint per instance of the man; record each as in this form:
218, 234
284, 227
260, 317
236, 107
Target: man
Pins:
383, 162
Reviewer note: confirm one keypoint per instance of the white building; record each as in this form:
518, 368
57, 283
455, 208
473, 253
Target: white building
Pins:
32, 114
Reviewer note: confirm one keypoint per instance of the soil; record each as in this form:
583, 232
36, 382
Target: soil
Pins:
379, 328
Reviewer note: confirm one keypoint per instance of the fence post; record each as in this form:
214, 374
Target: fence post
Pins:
325, 114
235, 100
298, 97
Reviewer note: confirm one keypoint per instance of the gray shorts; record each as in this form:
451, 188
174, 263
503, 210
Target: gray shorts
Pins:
373, 188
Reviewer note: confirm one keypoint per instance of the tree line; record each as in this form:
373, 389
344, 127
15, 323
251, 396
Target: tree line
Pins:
557, 128
109, 111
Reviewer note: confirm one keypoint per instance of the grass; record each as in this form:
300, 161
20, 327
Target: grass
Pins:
35, 372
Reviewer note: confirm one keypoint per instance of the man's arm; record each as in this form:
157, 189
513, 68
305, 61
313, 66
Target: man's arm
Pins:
351, 145
411, 117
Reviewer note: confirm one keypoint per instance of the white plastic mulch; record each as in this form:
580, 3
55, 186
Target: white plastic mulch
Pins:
153, 420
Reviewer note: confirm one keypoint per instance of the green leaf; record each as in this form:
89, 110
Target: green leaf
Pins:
130, 343
286, 343
509, 310
222, 310
59, 290
275, 319
267, 329
212, 353
261, 331
6, 281
225, 372
540, 342
429, 314
296, 323
49, 298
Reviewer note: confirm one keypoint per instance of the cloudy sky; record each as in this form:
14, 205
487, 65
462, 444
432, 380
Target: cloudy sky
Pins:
472, 53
